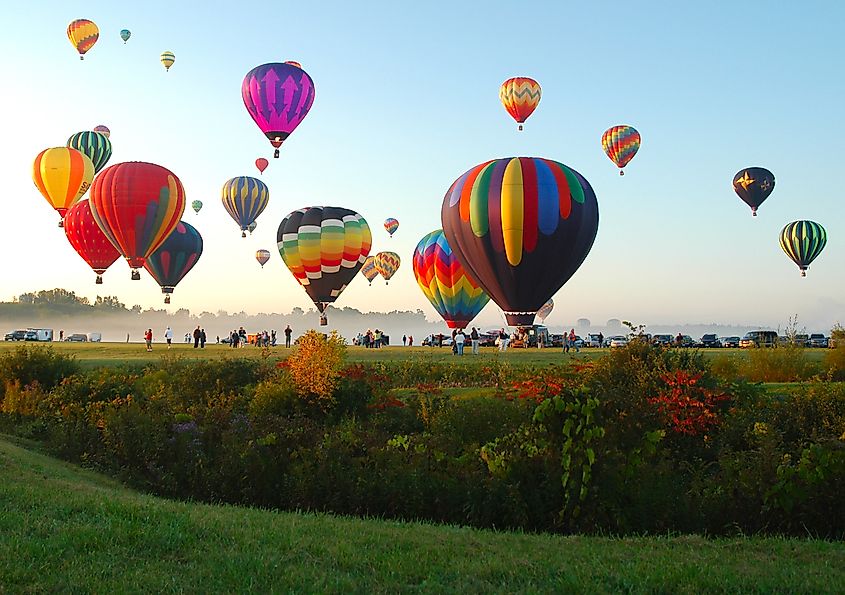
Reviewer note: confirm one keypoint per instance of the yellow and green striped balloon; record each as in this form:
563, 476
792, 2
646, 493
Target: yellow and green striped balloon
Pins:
803, 241
244, 198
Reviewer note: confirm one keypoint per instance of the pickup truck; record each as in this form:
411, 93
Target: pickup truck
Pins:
16, 336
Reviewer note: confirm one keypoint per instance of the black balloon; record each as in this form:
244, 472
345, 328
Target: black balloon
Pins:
754, 185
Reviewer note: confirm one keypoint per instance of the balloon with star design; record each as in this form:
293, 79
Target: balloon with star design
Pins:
754, 185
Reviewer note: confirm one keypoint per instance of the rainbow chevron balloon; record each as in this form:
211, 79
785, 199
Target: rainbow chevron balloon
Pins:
620, 143
520, 96
442, 279
387, 263
368, 269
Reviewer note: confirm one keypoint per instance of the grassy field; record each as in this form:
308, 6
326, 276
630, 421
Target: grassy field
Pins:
67, 529
102, 354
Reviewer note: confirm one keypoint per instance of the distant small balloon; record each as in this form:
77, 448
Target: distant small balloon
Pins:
262, 256
294, 63
391, 225
261, 164
125, 34
196, 206
251, 227
168, 58
104, 130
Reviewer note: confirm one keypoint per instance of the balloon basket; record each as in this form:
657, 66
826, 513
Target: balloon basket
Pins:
753, 213
243, 234
621, 173
520, 127
276, 153
61, 223
136, 276
803, 273
99, 280
167, 299
81, 57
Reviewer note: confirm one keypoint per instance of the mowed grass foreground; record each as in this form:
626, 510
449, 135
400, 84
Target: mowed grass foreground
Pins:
63, 528
92, 355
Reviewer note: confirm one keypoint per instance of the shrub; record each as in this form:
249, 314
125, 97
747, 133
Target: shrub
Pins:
29, 364
784, 363
316, 365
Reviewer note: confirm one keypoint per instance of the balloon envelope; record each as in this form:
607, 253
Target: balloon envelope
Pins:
803, 241
93, 145
125, 34
455, 296
180, 251
244, 198
324, 248
620, 143
88, 239
368, 269
261, 164
62, 175
520, 96
196, 205
391, 225
387, 263
104, 130
521, 227
754, 185
278, 96
545, 310
83, 34
262, 256
137, 205
167, 59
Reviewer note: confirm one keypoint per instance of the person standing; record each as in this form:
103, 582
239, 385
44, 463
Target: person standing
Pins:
601, 340
404, 340
565, 342
202, 338
61, 335
168, 335
288, 333
460, 338
572, 341
197, 335
410, 340
148, 338
473, 336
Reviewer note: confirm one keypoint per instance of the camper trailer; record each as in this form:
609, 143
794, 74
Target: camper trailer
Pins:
95, 337
39, 334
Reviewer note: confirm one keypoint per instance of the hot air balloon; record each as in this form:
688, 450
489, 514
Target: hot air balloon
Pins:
455, 296
169, 264
754, 185
167, 58
62, 175
137, 205
88, 239
520, 96
803, 241
196, 205
368, 269
251, 227
244, 198
261, 164
545, 310
125, 34
278, 97
520, 227
262, 256
104, 130
94, 145
83, 34
391, 225
324, 248
621, 144
293, 63
387, 263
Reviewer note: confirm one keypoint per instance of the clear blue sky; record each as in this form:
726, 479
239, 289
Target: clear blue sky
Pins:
407, 100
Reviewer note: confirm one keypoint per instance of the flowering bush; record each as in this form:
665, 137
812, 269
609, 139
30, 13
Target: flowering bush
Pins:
316, 365
689, 407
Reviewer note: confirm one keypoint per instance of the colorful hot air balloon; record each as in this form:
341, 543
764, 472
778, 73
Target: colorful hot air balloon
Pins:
455, 296
368, 269
520, 96
88, 239
261, 164
803, 241
521, 227
754, 185
262, 256
83, 34
545, 310
620, 143
125, 34
293, 63
137, 205
94, 145
196, 205
169, 264
102, 129
278, 97
244, 198
62, 175
391, 225
324, 248
167, 58
387, 263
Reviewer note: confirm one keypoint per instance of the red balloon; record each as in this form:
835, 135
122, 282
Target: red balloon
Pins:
88, 239
137, 205
261, 164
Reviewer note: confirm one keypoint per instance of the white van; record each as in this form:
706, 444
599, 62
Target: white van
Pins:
40, 334
95, 337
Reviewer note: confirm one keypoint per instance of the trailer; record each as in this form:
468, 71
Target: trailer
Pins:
95, 337
39, 334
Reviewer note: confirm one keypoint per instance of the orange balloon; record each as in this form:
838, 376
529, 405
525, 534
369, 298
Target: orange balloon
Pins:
520, 96
62, 175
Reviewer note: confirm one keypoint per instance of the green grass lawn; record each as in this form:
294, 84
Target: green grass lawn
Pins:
67, 529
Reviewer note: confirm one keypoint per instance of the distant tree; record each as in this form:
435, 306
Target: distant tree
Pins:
136, 309
53, 297
109, 302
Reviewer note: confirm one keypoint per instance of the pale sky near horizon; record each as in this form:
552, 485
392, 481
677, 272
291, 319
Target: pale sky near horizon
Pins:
407, 100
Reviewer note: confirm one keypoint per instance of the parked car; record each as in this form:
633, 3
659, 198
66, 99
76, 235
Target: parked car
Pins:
662, 340
77, 338
686, 341
801, 340
730, 342
710, 340
16, 336
818, 340
592, 340
759, 339
618, 341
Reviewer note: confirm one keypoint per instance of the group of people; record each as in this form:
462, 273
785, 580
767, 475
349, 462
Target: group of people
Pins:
372, 339
237, 338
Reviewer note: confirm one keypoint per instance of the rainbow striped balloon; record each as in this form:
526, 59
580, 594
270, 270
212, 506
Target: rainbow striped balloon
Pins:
520, 96
391, 225
803, 241
455, 296
368, 269
621, 143
521, 227
387, 263
324, 248
244, 198
83, 34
